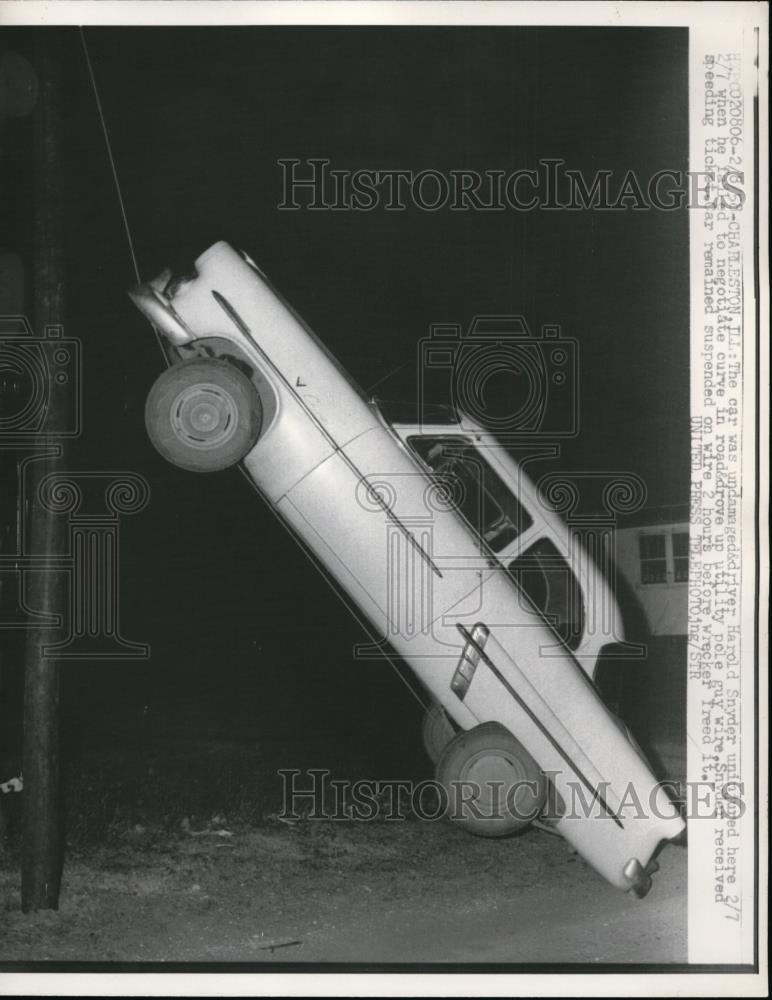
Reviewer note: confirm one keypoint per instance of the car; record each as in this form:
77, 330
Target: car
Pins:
441, 541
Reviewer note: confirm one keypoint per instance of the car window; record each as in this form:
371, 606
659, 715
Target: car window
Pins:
547, 579
474, 488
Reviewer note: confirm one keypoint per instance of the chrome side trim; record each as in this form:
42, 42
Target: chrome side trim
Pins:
539, 724
467, 664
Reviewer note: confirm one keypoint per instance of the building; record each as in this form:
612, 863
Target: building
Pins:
652, 556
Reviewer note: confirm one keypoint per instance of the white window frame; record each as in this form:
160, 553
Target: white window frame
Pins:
669, 557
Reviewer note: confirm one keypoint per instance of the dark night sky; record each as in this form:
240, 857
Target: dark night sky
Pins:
198, 119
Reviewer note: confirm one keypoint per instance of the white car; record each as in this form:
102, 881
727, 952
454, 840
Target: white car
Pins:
442, 542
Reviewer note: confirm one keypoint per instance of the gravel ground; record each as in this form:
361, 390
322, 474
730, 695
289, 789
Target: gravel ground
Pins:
327, 891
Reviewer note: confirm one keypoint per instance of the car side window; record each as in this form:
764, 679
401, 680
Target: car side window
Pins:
474, 488
547, 579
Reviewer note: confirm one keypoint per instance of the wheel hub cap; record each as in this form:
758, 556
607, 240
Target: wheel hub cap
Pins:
204, 416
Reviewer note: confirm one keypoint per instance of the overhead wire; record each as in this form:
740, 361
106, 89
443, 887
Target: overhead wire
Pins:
135, 265
114, 170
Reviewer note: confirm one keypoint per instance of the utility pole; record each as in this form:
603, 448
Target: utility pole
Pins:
42, 836
18, 96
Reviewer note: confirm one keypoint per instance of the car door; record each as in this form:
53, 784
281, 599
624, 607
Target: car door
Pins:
527, 539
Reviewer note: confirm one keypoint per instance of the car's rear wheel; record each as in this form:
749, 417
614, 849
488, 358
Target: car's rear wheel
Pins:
203, 415
436, 731
494, 786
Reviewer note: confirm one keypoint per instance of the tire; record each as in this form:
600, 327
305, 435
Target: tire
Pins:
203, 415
436, 731
485, 754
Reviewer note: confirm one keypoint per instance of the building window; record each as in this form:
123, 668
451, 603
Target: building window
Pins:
680, 556
653, 558
664, 557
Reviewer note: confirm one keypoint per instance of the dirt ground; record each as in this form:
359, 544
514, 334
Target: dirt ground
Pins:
333, 891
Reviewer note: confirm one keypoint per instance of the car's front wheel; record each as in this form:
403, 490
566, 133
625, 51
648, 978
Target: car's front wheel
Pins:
436, 731
203, 415
494, 786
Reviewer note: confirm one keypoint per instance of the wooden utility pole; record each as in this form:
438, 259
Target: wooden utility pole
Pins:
42, 839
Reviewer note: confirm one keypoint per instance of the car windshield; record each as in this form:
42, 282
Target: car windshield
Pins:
405, 412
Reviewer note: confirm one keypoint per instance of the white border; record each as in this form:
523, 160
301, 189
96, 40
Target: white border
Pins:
631, 13
451, 984
719, 933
